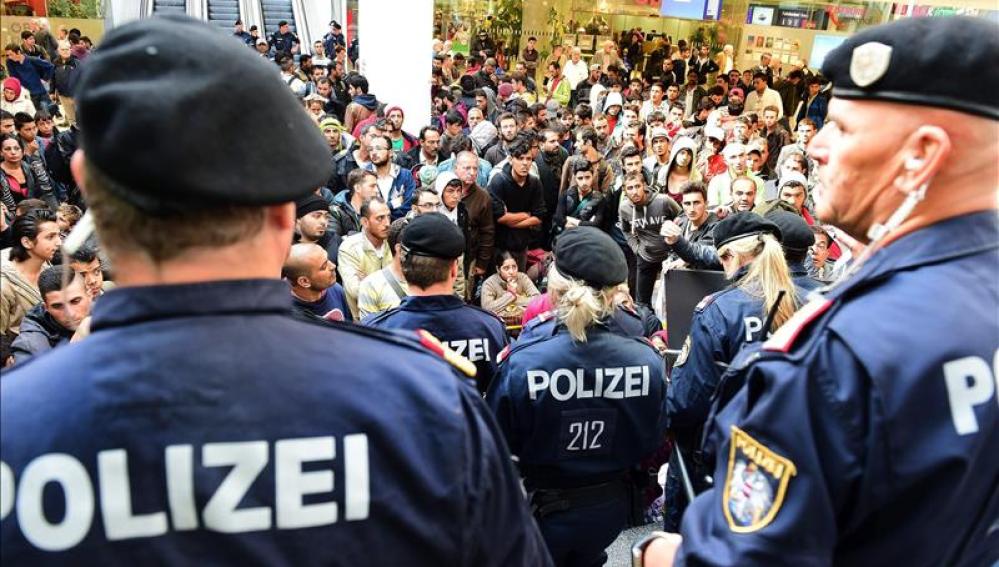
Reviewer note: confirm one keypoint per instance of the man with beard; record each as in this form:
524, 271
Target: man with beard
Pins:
426, 153
312, 218
345, 217
395, 184
314, 290
349, 159
366, 252
332, 106
508, 132
550, 161
726, 116
402, 141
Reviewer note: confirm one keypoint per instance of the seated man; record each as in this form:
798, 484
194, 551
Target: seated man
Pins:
312, 276
65, 303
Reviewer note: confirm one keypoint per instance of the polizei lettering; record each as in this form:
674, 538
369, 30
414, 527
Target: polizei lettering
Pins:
578, 383
293, 467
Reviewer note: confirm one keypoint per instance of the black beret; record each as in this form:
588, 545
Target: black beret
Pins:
178, 131
796, 235
743, 224
943, 62
310, 204
587, 253
434, 235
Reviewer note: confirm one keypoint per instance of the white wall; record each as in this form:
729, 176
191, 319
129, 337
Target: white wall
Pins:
395, 38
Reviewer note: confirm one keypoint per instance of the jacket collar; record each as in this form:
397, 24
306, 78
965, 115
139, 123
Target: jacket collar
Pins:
952, 238
431, 303
127, 305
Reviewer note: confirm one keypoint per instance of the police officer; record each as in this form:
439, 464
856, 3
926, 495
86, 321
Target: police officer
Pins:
583, 407
866, 433
750, 251
201, 423
796, 238
431, 248
241, 34
624, 320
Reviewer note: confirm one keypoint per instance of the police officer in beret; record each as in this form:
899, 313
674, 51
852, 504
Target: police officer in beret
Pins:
866, 433
581, 408
431, 248
200, 423
749, 249
623, 321
796, 238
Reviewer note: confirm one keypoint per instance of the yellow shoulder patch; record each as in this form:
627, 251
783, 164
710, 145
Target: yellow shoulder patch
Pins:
684, 353
755, 485
434, 345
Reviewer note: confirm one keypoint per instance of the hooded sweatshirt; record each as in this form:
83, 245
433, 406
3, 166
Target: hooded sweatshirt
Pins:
641, 222
661, 178
483, 136
361, 107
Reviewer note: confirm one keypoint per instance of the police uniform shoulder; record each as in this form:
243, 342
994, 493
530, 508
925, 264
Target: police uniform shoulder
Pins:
540, 319
805, 318
415, 341
710, 299
518, 346
380, 317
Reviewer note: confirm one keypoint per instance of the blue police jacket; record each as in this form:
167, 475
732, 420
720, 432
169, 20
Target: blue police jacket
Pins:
866, 433
803, 278
580, 413
722, 323
621, 322
474, 333
203, 425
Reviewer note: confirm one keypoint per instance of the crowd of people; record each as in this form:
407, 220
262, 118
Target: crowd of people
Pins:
526, 230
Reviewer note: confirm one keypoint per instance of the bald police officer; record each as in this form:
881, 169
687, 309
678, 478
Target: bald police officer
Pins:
200, 423
431, 248
866, 433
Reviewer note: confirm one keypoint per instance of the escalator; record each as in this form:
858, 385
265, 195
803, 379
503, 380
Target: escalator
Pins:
223, 13
275, 11
169, 7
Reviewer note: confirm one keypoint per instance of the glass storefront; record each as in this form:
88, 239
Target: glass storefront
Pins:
63, 15
789, 30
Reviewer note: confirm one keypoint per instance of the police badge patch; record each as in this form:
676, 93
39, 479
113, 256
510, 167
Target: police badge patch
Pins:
684, 353
755, 485
869, 62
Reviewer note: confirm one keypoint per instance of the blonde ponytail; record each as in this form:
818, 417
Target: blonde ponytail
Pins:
768, 274
580, 307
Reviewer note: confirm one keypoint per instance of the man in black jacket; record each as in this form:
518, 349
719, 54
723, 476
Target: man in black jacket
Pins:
53, 321
518, 201
426, 153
